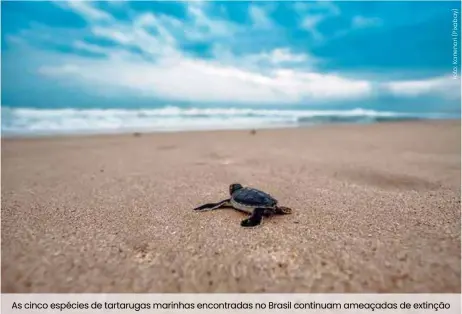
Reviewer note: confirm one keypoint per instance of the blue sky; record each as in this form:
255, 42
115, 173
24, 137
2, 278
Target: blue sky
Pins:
380, 55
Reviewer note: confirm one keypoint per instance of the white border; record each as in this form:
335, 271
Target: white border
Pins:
260, 303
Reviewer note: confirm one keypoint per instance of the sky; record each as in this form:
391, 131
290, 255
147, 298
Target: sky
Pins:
287, 54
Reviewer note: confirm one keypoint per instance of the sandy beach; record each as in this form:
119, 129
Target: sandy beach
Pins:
376, 209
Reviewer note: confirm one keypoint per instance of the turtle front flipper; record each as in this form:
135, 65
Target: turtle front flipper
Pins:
254, 219
212, 206
282, 210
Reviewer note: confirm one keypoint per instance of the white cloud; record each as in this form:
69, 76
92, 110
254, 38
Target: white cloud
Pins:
327, 8
265, 61
285, 55
112, 34
444, 86
312, 21
206, 27
360, 21
79, 44
259, 78
310, 24
85, 9
204, 81
138, 35
260, 18
314, 13
280, 56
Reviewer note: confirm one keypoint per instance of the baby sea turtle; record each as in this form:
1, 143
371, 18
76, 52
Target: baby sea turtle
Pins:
251, 201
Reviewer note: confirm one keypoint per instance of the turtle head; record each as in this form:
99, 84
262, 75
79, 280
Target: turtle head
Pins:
234, 187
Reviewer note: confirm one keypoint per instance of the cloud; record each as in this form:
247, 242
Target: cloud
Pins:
282, 55
84, 9
147, 59
326, 8
260, 18
139, 35
84, 46
444, 86
205, 27
310, 24
360, 21
204, 81
159, 68
313, 14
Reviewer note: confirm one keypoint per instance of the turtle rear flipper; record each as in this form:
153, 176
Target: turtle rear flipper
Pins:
211, 206
282, 210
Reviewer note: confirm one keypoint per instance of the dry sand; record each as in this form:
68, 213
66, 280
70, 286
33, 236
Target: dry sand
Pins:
376, 209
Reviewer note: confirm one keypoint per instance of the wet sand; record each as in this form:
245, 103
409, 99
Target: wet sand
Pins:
376, 209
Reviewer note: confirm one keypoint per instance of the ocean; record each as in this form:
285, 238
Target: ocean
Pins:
39, 122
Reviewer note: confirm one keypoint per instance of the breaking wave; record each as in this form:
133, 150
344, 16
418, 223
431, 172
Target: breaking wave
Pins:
26, 121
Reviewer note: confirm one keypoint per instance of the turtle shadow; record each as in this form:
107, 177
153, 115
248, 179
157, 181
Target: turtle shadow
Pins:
266, 216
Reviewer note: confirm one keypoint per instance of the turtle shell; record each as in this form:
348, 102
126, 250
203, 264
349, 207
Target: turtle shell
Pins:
253, 198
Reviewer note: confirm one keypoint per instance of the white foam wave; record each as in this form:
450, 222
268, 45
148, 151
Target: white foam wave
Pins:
42, 121
176, 111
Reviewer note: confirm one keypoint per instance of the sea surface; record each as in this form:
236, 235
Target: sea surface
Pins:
37, 122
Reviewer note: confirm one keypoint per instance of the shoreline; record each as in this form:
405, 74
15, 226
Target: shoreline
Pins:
376, 208
243, 129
